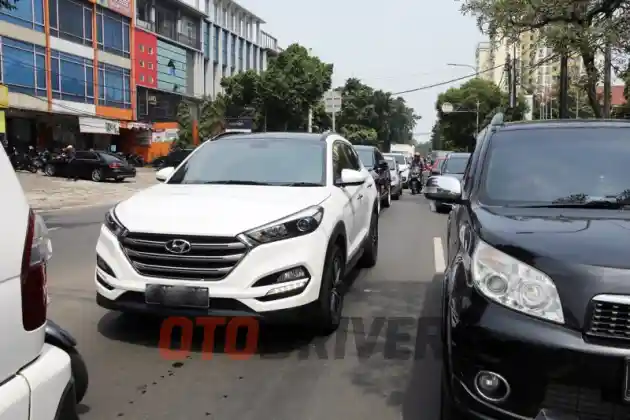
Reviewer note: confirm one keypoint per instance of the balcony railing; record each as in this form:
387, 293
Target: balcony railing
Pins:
268, 42
189, 40
149, 26
169, 31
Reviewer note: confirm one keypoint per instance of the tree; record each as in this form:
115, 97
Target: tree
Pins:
436, 136
185, 122
365, 110
294, 82
457, 128
212, 117
582, 27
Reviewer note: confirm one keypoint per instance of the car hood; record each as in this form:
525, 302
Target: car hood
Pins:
217, 210
585, 252
458, 176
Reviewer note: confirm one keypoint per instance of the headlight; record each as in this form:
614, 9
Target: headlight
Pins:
515, 284
298, 224
113, 224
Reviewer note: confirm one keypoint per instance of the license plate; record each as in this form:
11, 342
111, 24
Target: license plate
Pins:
177, 296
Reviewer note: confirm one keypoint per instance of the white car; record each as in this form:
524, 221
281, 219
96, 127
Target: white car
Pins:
264, 225
395, 174
403, 166
35, 378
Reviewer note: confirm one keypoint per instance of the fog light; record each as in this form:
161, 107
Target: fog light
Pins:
293, 274
295, 285
492, 386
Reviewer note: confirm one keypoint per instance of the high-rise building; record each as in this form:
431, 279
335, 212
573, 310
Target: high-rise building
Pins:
103, 74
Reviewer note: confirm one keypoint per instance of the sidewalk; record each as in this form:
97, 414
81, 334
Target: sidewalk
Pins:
46, 193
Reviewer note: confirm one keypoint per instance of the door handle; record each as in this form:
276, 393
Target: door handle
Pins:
360, 197
370, 185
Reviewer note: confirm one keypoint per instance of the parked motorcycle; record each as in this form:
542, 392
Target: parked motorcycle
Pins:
62, 339
415, 180
22, 161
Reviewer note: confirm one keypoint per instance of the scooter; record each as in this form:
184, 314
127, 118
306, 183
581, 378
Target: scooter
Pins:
62, 339
415, 181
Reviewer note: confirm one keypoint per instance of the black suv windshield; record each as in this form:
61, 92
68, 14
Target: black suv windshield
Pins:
367, 156
547, 165
456, 165
255, 161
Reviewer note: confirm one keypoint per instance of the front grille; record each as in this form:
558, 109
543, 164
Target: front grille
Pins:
210, 258
610, 318
583, 403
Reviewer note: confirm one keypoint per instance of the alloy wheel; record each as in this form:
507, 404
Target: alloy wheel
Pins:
336, 294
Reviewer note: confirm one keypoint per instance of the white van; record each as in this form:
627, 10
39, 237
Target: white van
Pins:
35, 378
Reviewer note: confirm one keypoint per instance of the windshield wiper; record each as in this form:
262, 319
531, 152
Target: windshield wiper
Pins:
301, 184
234, 182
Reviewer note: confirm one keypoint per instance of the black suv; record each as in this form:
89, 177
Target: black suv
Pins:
536, 291
375, 162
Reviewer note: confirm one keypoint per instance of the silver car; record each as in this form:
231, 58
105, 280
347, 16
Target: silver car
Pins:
396, 176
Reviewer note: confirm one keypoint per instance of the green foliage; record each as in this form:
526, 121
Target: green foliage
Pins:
581, 28
436, 137
212, 117
185, 121
365, 111
456, 129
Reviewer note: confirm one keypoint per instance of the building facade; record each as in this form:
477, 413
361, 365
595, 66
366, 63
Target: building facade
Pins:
111, 73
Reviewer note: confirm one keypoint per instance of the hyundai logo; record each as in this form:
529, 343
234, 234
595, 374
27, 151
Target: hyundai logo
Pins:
178, 246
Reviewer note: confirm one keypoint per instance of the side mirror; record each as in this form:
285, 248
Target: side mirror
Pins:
445, 189
164, 173
351, 177
383, 165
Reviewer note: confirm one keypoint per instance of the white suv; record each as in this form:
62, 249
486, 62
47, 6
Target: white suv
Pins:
260, 225
35, 378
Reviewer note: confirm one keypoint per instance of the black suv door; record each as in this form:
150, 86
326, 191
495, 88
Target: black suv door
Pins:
381, 170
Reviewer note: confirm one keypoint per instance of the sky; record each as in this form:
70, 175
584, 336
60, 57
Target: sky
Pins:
393, 45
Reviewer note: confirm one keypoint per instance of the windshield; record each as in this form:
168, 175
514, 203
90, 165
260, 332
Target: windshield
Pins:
400, 158
391, 161
272, 161
455, 165
111, 158
366, 156
548, 165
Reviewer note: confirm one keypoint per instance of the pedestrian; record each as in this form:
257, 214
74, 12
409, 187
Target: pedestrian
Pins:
70, 156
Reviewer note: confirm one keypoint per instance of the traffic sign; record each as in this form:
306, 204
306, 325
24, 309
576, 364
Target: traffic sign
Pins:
447, 107
332, 102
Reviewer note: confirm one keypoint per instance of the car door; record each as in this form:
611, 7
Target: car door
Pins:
350, 193
383, 175
361, 199
90, 162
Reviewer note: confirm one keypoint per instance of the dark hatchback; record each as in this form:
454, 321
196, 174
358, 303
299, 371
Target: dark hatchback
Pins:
536, 293
375, 162
95, 165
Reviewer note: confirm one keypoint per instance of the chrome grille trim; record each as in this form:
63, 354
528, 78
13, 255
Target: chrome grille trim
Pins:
210, 258
609, 317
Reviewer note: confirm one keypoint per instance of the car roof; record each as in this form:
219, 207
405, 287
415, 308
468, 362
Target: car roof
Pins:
276, 135
554, 124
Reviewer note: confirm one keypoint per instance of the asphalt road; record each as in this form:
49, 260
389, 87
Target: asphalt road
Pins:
379, 365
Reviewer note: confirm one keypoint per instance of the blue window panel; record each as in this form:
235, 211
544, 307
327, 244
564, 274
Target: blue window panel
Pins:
113, 32
27, 13
72, 78
18, 68
99, 30
71, 20
216, 44
225, 47
40, 63
89, 79
54, 74
114, 86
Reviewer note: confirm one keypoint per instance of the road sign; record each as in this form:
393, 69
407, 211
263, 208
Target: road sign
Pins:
447, 107
332, 102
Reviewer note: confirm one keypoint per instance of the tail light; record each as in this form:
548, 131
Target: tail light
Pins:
37, 252
115, 165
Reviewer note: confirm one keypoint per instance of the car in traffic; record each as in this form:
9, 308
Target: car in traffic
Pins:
36, 380
402, 161
242, 228
375, 162
395, 174
536, 297
453, 165
95, 165
172, 159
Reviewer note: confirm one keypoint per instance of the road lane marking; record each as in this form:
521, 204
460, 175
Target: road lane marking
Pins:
438, 255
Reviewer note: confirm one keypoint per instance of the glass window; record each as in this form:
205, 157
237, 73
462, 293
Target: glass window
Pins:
247, 160
546, 165
18, 66
141, 49
141, 63
455, 165
353, 158
26, 13
150, 66
72, 77
366, 154
114, 86
150, 51
113, 32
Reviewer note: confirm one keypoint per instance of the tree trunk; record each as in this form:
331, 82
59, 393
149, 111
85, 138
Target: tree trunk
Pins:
592, 77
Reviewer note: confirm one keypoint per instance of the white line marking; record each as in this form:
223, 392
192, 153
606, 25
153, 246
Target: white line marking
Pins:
438, 255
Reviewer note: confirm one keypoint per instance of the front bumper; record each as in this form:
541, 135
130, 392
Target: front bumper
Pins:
230, 296
548, 367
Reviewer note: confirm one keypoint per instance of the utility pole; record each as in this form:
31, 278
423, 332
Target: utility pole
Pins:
564, 85
509, 68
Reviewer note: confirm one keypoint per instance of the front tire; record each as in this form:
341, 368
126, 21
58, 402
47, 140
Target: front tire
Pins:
370, 248
97, 175
387, 202
331, 294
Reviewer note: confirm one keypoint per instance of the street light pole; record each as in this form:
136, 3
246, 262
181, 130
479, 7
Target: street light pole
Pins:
477, 129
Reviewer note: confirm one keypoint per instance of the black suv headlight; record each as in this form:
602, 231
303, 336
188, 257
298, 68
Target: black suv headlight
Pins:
298, 224
113, 224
